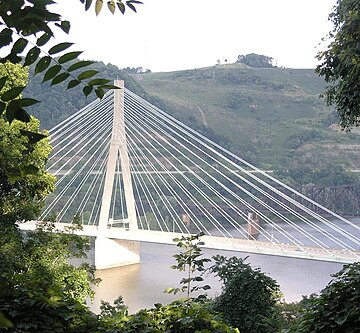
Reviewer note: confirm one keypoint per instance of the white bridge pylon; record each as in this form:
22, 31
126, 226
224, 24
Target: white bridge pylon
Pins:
109, 252
118, 149
126, 167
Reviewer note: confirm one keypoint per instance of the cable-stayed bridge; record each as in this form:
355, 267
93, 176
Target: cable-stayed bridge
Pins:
131, 171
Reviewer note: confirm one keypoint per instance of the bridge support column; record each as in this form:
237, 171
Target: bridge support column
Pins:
111, 253
253, 226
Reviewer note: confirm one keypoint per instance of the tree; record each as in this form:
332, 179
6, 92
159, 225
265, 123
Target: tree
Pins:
190, 262
249, 297
340, 63
27, 27
337, 308
255, 60
333, 174
181, 316
40, 291
24, 182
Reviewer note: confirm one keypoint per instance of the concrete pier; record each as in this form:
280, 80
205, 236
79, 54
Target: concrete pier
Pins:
253, 226
111, 253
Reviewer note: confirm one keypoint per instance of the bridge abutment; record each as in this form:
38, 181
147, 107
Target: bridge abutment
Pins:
110, 253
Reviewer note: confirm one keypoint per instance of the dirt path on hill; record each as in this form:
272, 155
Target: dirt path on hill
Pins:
202, 116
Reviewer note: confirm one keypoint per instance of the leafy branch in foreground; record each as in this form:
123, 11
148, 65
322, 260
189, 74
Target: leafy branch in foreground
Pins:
112, 4
27, 28
340, 63
189, 261
337, 308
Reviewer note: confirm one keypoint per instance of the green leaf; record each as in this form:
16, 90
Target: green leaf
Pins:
13, 177
99, 93
13, 58
87, 90
5, 37
69, 56
87, 74
14, 110
131, 6
2, 107
42, 64
111, 6
121, 7
169, 290
88, 4
3, 80
51, 73
25, 102
10, 114
98, 6
108, 86
59, 48
80, 64
4, 322
98, 82
59, 78
19, 46
42, 40
73, 83
32, 56
158, 305
33, 136
11, 94
64, 26
31, 169
22, 115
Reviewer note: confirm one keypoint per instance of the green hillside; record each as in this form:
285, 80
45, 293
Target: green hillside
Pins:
273, 117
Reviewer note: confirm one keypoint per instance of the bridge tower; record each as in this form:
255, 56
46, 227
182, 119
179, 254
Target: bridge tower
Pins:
108, 252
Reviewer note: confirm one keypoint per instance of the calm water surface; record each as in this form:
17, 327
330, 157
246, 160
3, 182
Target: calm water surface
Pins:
142, 285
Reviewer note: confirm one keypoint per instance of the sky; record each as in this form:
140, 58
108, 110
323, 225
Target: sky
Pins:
170, 35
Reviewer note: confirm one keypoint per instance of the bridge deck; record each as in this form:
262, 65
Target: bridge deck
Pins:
215, 242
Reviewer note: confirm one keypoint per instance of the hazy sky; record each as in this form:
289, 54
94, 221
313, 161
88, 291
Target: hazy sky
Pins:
168, 35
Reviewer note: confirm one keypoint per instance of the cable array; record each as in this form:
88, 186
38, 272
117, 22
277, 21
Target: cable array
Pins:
182, 182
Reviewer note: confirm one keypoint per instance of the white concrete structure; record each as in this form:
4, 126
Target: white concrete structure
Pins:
112, 253
129, 239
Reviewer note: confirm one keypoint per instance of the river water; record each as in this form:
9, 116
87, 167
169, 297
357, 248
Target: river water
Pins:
142, 285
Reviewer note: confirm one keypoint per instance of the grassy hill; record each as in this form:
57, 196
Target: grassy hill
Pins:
270, 116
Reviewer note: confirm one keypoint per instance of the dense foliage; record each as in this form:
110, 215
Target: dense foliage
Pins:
255, 60
181, 316
340, 62
328, 175
24, 182
337, 308
40, 290
249, 299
